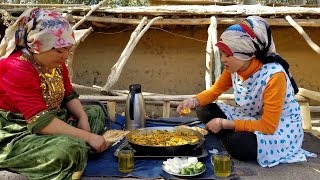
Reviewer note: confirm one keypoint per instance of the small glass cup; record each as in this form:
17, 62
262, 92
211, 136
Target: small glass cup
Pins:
222, 164
125, 160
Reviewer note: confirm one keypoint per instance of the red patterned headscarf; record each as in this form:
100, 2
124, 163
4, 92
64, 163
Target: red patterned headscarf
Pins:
38, 31
248, 38
253, 38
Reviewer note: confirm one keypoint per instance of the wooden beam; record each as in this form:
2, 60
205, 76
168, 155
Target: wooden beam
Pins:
315, 109
294, 24
188, 2
117, 68
111, 108
201, 21
209, 52
166, 97
210, 10
216, 53
166, 109
78, 87
306, 116
88, 14
134, 39
309, 94
41, 5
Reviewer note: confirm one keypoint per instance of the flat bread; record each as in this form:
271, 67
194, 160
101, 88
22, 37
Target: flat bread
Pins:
114, 135
200, 130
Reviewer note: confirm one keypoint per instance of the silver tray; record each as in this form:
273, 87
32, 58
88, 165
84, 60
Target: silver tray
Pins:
199, 152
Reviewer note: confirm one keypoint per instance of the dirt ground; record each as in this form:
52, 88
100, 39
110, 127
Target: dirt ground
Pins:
174, 64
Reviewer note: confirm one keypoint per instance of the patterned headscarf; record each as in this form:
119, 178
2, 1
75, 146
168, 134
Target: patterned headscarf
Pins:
253, 38
247, 39
38, 31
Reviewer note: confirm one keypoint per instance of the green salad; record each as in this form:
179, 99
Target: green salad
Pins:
193, 169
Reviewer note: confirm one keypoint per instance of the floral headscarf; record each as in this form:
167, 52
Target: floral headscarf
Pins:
38, 31
247, 39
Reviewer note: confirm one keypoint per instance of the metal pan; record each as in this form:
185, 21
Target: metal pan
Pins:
178, 150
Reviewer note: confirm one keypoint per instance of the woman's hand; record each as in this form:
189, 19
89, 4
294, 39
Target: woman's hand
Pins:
188, 103
84, 124
98, 143
215, 125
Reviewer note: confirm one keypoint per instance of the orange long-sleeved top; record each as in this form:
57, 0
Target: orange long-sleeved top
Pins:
273, 96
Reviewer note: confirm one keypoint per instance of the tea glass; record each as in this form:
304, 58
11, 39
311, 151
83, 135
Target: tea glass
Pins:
125, 160
222, 164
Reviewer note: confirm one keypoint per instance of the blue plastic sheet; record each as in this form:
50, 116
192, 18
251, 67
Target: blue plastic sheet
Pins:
106, 164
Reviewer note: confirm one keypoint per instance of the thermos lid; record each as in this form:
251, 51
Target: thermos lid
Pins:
135, 87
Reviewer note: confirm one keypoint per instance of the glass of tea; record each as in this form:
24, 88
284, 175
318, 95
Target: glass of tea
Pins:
222, 164
125, 160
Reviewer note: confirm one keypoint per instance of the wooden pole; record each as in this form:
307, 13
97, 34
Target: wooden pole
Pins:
313, 45
111, 108
217, 62
166, 97
209, 54
42, 5
134, 39
88, 14
305, 113
309, 94
78, 87
117, 68
166, 109
201, 21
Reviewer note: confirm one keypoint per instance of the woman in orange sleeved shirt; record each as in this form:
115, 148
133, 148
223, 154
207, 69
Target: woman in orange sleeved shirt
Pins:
265, 125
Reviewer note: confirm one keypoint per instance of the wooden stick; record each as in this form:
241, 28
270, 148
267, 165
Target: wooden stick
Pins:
238, 10
315, 109
85, 88
166, 109
143, 93
309, 94
167, 97
201, 21
304, 34
111, 108
217, 62
41, 5
88, 14
305, 113
117, 69
209, 53
187, 2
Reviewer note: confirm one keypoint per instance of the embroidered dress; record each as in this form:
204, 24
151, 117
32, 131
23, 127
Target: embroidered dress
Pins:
23, 151
31, 96
284, 146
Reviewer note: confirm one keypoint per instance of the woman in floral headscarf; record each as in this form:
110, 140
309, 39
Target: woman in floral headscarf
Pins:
266, 123
44, 128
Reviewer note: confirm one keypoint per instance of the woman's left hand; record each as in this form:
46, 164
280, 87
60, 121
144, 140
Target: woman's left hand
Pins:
84, 124
214, 125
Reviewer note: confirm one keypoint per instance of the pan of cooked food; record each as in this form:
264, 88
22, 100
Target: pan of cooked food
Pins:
164, 141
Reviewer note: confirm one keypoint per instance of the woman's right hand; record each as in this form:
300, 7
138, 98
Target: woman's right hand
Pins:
188, 103
98, 143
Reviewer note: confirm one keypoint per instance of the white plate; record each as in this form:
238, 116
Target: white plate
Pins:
176, 174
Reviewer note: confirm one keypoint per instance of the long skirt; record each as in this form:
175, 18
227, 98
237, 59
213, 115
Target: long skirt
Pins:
45, 156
